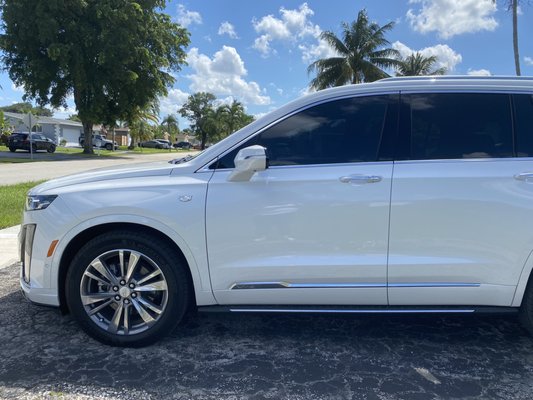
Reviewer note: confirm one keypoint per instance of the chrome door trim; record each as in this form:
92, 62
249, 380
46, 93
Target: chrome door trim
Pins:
288, 285
433, 284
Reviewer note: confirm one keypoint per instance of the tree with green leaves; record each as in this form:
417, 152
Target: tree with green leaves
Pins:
113, 56
234, 116
416, 64
25, 108
362, 53
170, 123
198, 110
143, 123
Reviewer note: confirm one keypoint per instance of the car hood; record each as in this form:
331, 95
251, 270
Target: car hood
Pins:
109, 173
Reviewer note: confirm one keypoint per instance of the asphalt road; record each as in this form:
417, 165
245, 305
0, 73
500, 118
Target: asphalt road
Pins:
55, 165
222, 356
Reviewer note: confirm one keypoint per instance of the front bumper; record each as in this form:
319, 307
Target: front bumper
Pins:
38, 273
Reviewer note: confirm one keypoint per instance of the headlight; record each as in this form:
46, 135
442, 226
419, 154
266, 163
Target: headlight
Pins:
39, 202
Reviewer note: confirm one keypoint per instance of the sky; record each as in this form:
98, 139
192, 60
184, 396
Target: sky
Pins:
257, 52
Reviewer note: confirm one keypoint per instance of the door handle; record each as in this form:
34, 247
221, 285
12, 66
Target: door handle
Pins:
525, 177
360, 179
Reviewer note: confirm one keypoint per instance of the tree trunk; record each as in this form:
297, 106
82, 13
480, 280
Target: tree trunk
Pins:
515, 37
88, 134
113, 135
204, 139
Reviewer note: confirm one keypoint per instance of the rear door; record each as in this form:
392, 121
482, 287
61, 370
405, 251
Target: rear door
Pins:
462, 203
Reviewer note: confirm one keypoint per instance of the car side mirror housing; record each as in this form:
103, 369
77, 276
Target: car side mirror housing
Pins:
247, 162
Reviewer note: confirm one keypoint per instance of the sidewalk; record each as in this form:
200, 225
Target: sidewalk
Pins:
9, 246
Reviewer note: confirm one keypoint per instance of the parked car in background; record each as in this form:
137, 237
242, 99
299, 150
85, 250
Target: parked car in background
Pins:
154, 144
21, 140
406, 195
167, 142
182, 145
99, 141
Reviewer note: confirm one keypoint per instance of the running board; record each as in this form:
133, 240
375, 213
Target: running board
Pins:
360, 309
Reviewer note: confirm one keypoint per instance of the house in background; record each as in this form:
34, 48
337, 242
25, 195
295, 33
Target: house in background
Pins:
62, 129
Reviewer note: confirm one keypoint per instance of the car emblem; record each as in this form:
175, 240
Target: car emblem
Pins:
185, 198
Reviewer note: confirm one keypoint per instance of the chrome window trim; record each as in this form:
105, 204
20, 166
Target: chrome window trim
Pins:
370, 163
491, 90
289, 285
303, 108
465, 160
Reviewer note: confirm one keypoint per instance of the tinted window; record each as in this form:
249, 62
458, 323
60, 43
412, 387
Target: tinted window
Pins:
524, 125
460, 125
341, 131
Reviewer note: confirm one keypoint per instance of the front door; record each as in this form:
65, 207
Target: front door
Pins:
312, 228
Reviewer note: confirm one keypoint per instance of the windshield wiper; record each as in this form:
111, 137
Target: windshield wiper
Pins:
181, 160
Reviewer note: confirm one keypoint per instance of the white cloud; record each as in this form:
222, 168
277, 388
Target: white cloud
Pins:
452, 17
186, 17
64, 112
528, 61
223, 75
446, 56
16, 88
478, 72
313, 52
171, 103
226, 28
291, 26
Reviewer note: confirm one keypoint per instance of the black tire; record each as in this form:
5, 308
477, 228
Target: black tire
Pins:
12, 149
109, 146
51, 148
164, 257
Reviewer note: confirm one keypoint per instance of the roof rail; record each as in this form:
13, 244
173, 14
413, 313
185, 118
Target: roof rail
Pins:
455, 77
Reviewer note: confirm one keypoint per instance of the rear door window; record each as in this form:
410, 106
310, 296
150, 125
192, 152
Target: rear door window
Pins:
524, 124
460, 125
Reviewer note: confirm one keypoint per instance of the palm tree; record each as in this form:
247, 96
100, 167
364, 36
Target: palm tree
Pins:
513, 5
234, 116
171, 123
362, 53
416, 65
139, 122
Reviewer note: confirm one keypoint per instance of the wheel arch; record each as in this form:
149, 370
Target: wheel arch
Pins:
523, 282
76, 243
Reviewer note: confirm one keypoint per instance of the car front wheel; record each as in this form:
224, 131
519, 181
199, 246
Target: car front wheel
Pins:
125, 289
51, 148
109, 146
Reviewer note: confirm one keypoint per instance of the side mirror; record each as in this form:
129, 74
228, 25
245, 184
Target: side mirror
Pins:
247, 162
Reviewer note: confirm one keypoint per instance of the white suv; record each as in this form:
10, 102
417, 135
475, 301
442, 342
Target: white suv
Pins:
404, 195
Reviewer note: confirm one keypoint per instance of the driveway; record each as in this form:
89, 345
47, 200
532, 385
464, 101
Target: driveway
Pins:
68, 164
227, 356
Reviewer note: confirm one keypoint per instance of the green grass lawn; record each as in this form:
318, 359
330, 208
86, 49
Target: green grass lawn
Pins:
12, 198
